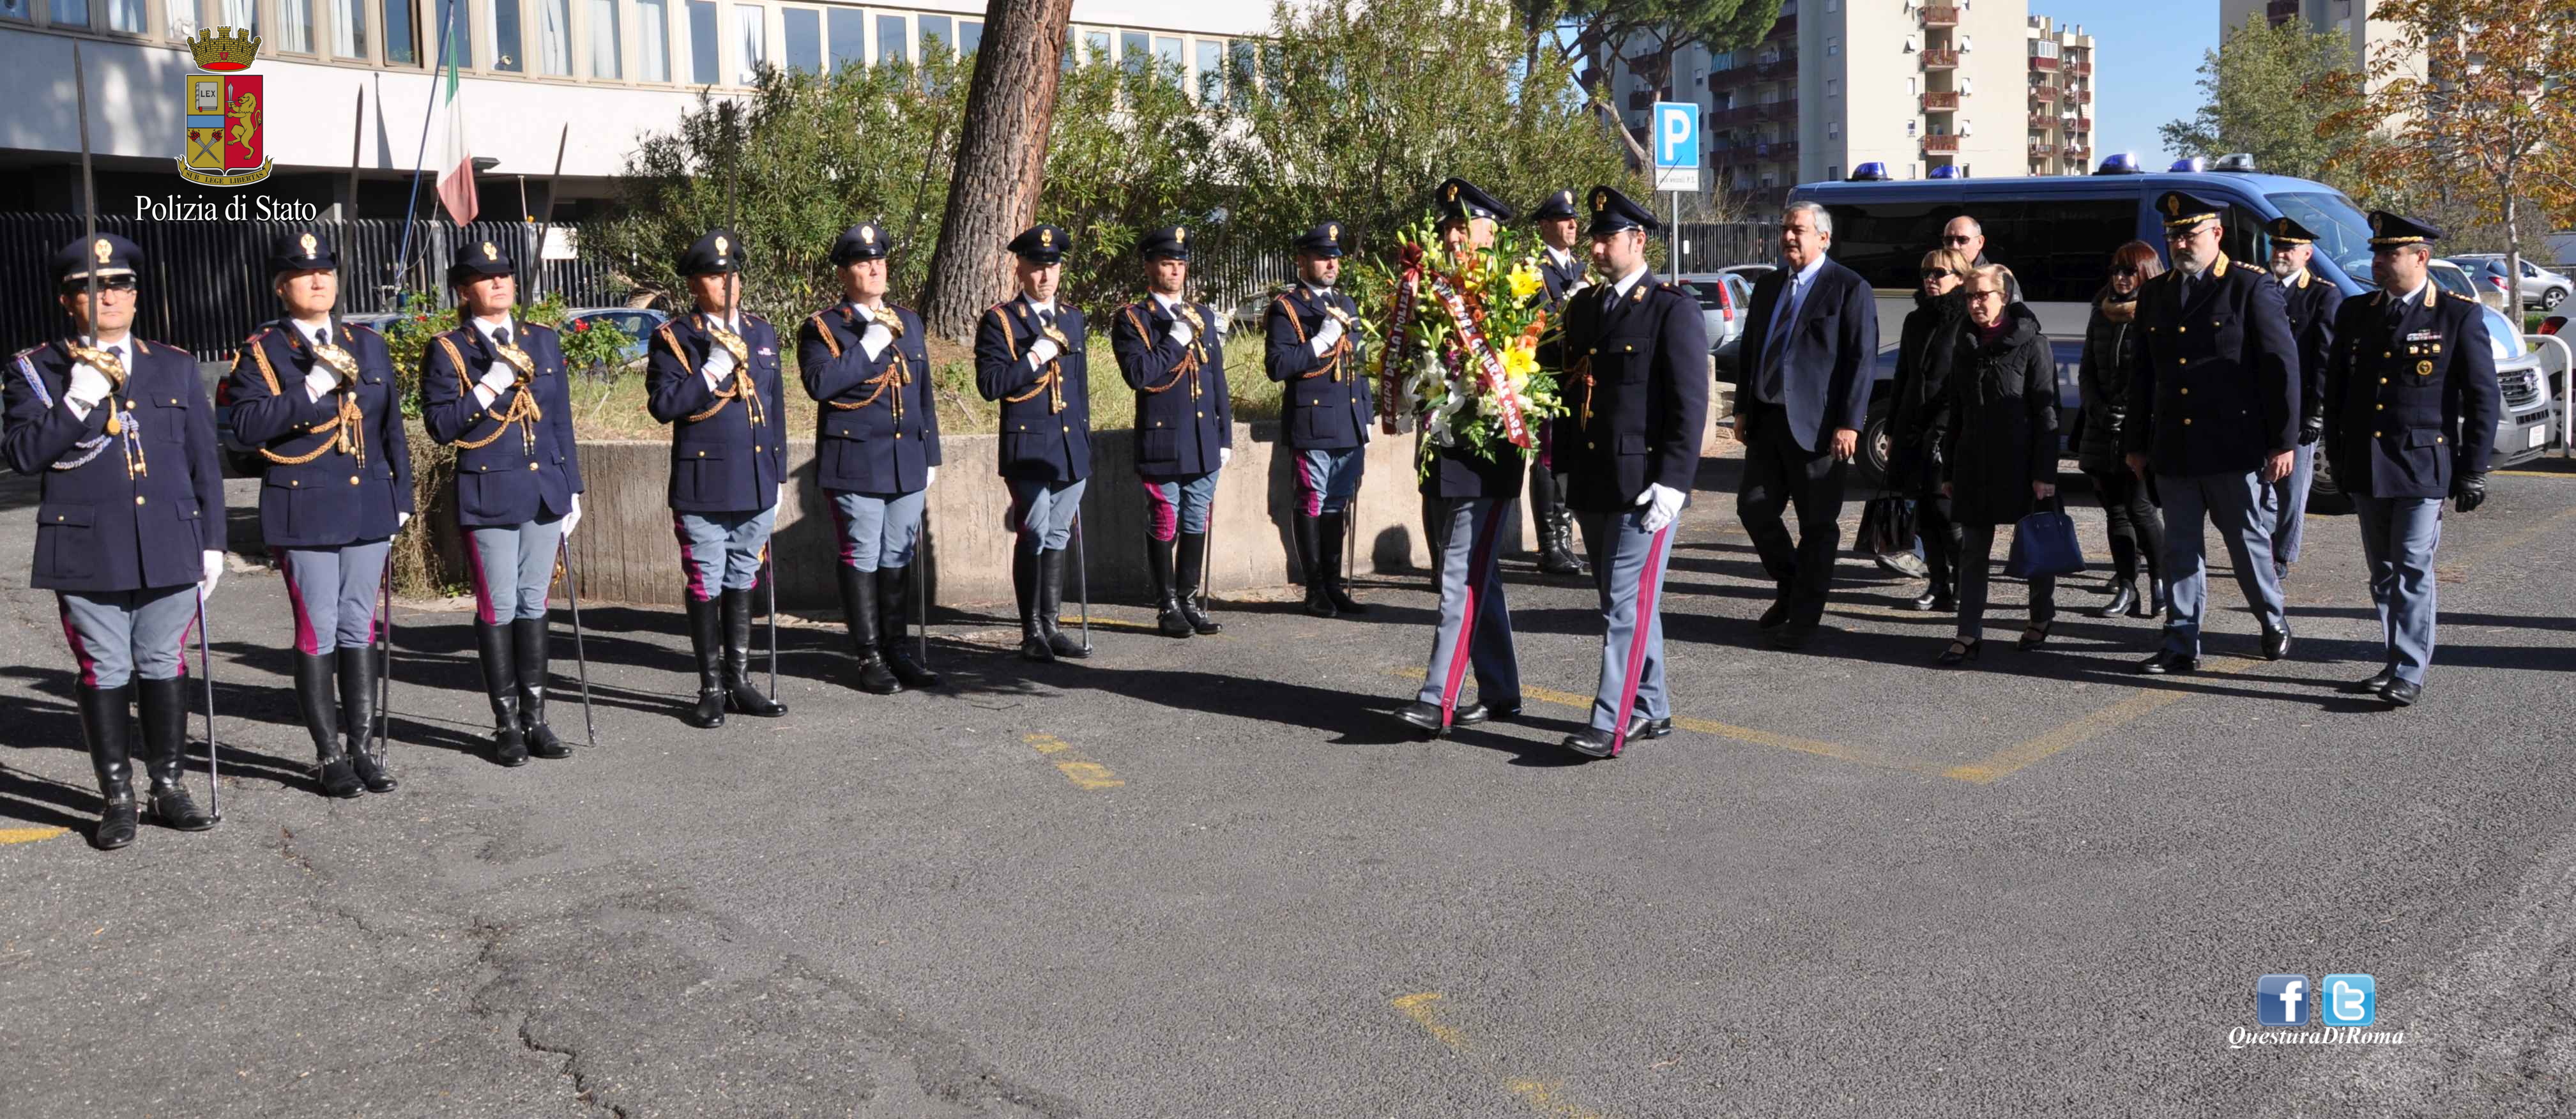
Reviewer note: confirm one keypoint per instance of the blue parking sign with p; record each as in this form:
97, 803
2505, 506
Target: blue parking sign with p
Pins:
1676, 134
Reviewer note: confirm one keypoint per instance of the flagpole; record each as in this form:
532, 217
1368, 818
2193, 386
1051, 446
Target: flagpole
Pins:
411, 208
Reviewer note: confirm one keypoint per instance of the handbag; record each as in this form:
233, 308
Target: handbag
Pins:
1886, 525
2044, 544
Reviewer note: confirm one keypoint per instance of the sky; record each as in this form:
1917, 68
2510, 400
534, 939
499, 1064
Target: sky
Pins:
2148, 57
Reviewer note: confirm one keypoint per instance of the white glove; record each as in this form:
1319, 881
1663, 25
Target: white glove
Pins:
1579, 285
499, 378
320, 382
1224, 455
874, 341
401, 520
1181, 332
1662, 503
89, 386
573, 518
929, 476
1324, 338
1043, 352
214, 574
719, 365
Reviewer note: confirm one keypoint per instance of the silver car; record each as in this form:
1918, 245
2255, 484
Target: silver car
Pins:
1725, 300
2541, 287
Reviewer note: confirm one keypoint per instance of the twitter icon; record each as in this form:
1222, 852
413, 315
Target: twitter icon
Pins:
2347, 1000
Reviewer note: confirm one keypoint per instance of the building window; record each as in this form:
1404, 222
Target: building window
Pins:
801, 30
1238, 78
70, 13
294, 25
894, 41
348, 28
1833, 45
701, 43
1909, 128
1833, 87
604, 61
1168, 60
936, 36
228, 13
402, 39
1135, 51
1833, 171
751, 33
970, 35
653, 40
1833, 130
554, 36
846, 29
1211, 71
17, 9
503, 15
1094, 48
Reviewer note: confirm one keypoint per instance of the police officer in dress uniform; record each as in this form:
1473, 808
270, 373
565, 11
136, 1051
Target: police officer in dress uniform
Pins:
1636, 358
2411, 405
2214, 413
1466, 499
129, 520
1169, 351
316, 398
876, 440
494, 389
2312, 304
1315, 351
1560, 269
1029, 356
713, 375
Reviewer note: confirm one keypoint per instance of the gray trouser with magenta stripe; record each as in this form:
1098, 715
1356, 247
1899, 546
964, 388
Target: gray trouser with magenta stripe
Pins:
1628, 572
333, 593
1475, 622
119, 635
513, 567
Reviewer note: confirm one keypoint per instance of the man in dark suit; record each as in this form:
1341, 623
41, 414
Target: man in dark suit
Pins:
2312, 303
1561, 265
2410, 408
2214, 413
1809, 350
1637, 378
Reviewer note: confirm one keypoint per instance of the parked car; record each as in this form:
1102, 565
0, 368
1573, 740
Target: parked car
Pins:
637, 323
1723, 302
2450, 277
2541, 287
1737, 281
2057, 233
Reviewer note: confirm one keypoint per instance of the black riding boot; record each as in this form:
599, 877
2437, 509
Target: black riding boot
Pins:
1167, 607
1024, 586
739, 694
1188, 565
501, 686
894, 616
1555, 525
859, 595
102, 712
1310, 551
706, 643
313, 697
1328, 539
357, 668
165, 740
2154, 603
528, 651
1051, 607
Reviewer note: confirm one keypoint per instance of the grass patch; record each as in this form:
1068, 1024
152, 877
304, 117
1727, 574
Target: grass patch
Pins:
615, 409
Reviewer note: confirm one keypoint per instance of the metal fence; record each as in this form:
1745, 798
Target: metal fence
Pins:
205, 284
1706, 247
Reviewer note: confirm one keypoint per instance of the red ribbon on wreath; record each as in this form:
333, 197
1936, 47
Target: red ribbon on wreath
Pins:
1495, 385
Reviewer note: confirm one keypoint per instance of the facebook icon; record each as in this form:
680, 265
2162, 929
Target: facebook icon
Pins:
2281, 1000
2348, 1000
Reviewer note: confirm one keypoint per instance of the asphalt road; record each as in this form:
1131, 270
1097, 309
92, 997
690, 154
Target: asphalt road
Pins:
1210, 879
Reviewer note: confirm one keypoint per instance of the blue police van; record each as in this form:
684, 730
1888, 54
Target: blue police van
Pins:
2056, 233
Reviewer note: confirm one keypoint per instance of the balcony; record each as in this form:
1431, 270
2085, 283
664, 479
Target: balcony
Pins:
2278, 12
1731, 118
1776, 149
1943, 102
1941, 15
1643, 99
1786, 110
1940, 145
2042, 151
2040, 122
2043, 93
2077, 151
1783, 70
2081, 69
2043, 63
2080, 124
1940, 60
1786, 27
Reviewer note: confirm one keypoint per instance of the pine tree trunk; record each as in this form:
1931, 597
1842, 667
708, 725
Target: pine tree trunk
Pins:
1000, 157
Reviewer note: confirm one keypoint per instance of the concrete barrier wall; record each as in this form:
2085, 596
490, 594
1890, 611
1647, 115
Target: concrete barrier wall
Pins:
626, 550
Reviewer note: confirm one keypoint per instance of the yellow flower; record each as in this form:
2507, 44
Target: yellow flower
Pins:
1524, 281
1520, 362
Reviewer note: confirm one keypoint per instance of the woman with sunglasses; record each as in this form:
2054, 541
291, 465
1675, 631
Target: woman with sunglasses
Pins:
1923, 352
2111, 357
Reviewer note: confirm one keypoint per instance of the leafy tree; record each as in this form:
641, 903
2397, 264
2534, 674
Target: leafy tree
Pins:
2470, 97
2251, 101
1640, 35
996, 173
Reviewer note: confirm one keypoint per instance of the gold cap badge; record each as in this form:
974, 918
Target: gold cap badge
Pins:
1600, 198
490, 253
307, 242
1332, 233
1046, 238
720, 245
1453, 192
101, 249
1180, 235
867, 235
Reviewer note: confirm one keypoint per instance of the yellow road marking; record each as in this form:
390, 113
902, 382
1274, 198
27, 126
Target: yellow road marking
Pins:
28, 835
1083, 773
2003, 763
2535, 473
1545, 1097
1710, 727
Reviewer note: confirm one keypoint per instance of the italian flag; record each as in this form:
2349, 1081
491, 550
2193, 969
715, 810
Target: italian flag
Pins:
454, 160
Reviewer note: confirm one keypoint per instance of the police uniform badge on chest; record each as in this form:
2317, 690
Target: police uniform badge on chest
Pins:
2424, 368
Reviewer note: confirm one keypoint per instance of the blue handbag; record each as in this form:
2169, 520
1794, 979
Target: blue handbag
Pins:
2044, 544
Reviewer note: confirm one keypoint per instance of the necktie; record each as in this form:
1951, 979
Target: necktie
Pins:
1046, 318
501, 337
1775, 345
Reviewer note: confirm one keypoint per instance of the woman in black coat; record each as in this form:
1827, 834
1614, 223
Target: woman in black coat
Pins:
1923, 353
1997, 430
2111, 356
